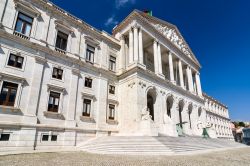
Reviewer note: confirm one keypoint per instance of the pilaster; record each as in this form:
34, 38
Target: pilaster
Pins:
35, 87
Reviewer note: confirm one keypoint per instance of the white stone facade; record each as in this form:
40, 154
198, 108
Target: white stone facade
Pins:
144, 81
218, 117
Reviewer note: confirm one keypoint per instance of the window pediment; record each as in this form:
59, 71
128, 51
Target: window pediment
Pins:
88, 95
26, 7
92, 41
112, 101
15, 78
63, 27
56, 88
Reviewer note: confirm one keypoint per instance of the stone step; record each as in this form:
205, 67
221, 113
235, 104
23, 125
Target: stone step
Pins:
153, 145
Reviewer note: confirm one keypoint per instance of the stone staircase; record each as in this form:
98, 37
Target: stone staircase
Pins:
146, 145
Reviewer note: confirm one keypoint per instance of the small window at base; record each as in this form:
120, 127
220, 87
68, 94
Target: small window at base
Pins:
54, 138
45, 137
4, 137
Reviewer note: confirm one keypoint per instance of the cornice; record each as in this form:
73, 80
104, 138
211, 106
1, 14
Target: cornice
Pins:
214, 100
75, 60
164, 82
217, 115
53, 9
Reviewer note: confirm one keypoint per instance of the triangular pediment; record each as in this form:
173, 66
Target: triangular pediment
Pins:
171, 32
168, 30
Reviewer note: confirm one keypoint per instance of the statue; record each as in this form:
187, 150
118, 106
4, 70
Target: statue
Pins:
145, 114
199, 124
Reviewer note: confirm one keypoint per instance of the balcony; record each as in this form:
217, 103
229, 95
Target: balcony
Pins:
60, 50
21, 35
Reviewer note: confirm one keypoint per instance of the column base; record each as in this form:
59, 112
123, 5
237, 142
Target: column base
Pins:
136, 64
160, 75
173, 82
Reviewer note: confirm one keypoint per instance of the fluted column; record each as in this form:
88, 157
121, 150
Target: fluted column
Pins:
136, 42
171, 69
155, 57
159, 58
131, 45
181, 74
198, 84
140, 47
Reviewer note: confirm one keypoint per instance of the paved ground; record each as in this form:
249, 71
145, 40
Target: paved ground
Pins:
236, 157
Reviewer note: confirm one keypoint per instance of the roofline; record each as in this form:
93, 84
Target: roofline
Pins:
79, 21
138, 13
214, 100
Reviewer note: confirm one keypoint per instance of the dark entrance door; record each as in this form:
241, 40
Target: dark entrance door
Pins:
150, 105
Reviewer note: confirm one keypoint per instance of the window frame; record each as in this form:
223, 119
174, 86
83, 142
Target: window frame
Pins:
92, 52
112, 63
9, 93
17, 19
84, 110
112, 92
112, 112
59, 31
59, 104
16, 61
86, 83
58, 69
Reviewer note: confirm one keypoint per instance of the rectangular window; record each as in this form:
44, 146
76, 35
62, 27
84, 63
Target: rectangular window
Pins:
111, 112
54, 99
8, 94
88, 82
111, 89
15, 61
90, 54
61, 40
4, 137
54, 138
45, 137
86, 107
23, 24
112, 63
57, 73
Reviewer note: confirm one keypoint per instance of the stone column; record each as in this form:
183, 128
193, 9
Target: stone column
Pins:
159, 59
155, 57
198, 83
131, 45
171, 69
136, 42
190, 80
140, 47
181, 74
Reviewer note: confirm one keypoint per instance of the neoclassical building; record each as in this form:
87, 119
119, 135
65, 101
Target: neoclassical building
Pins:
63, 82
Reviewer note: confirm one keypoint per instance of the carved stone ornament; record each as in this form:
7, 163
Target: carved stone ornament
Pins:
145, 114
142, 84
131, 84
173, 37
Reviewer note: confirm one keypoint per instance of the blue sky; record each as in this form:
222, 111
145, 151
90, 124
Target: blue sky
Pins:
218, 32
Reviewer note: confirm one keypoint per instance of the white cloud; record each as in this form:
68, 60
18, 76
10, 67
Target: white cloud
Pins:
111, 21
122, 3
